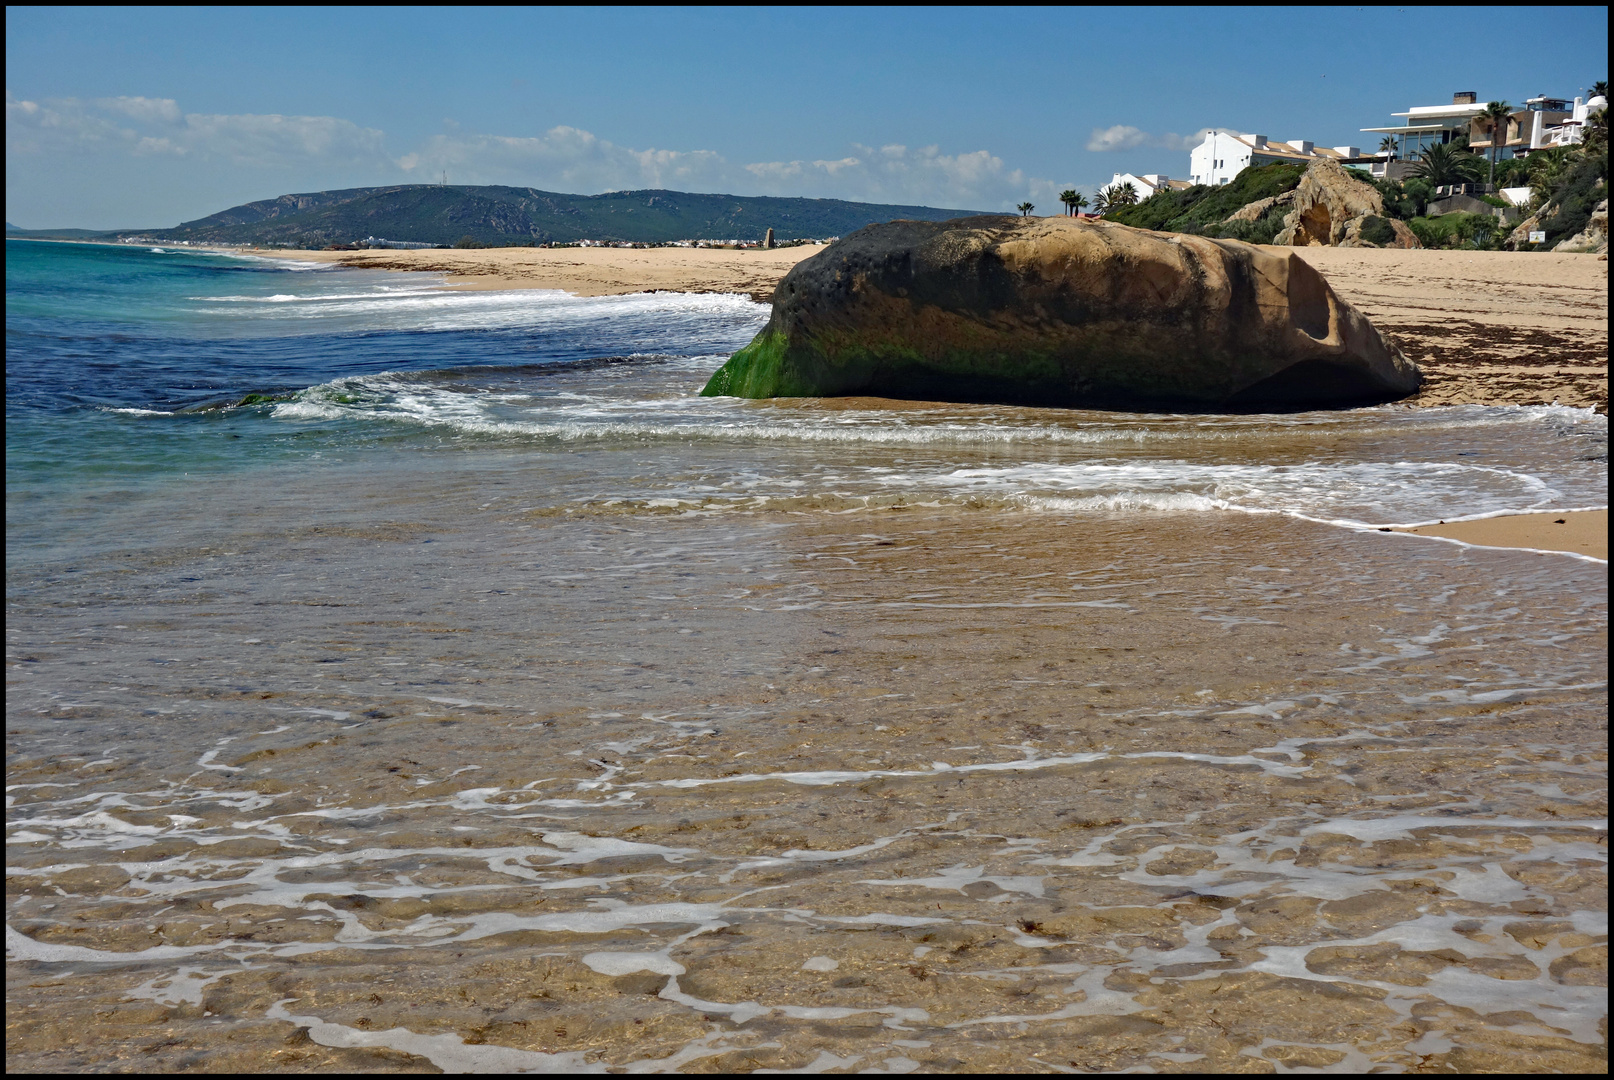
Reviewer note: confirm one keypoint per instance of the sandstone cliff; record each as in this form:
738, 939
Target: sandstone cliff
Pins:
1331, 207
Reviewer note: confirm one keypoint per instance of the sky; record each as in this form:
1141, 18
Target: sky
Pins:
146, 117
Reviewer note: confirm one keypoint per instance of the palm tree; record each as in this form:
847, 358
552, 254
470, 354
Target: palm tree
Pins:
1497, 114
1068, 197
1025, 209
1440, 165
1595, 134
1546, 168
1388, 146
1122, 194
1600, 89
1080, 201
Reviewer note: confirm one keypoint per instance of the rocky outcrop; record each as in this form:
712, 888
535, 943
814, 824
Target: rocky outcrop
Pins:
1520, 236
1594, 237
767, 241
1326, 205
1056, 311
1379, 232
1331, 207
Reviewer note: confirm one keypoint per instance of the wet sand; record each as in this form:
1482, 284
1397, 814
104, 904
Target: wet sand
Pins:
940, 791
1487, 327
395, 765
1581, 532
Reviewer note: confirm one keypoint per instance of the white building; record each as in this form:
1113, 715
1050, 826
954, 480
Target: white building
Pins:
1569, 130
1544, 122
1224, 154
1427, 125
1145, 184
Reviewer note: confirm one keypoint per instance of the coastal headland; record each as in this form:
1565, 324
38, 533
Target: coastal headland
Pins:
1486, 327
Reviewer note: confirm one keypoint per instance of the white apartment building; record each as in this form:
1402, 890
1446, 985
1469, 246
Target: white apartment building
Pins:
1224, 154
1427, 125
1544, 122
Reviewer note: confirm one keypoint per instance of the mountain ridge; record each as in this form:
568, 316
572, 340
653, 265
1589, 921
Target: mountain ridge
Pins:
497, 215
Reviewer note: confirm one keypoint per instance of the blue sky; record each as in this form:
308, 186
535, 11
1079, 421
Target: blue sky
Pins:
132, 117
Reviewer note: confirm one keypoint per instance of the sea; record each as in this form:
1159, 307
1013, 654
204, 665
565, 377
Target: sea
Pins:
402, 678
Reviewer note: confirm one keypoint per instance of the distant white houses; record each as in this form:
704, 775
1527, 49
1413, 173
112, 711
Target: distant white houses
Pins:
1145, 184
1224, 154
378, 242
1542, 123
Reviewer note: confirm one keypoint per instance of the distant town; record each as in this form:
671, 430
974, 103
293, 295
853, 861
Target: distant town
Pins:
1543, 123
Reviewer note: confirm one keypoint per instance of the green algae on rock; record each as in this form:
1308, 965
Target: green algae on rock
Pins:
1054, 311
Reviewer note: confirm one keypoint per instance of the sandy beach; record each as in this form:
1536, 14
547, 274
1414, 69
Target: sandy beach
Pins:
588, 271
1488, 327
1583, 532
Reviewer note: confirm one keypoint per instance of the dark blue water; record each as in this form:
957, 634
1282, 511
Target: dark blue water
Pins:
135, 361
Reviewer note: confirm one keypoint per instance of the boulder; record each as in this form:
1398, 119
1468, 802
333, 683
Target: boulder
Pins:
1331, 207
1059, 311
767, 241
1328, 202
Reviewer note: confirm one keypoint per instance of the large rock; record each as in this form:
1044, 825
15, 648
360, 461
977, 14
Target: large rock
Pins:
1331, 207
1056, 311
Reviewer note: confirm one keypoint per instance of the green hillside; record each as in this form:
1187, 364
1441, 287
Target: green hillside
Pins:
510, 215
54, 234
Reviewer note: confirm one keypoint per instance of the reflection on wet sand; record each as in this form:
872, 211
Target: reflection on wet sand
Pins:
898, 790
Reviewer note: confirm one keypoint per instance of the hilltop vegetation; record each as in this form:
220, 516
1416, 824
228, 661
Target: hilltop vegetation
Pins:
1568, 186
500, 216
1205, 210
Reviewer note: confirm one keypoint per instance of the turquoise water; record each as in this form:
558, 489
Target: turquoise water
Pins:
133, 362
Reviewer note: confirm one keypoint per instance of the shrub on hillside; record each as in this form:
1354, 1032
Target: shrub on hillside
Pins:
1583, 184
1263, 230
1155, 211
1199, 208
1468, 231
1376, 230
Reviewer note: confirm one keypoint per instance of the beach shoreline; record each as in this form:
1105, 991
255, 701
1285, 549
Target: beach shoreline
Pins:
592, 271
1487, 327
1575, 532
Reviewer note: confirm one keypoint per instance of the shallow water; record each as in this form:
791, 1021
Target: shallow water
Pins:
482, 698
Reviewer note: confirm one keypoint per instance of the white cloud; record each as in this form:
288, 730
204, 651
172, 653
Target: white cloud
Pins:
894, 173
563, 158
156, 126
146, 110
1127, 137
110, 134
273, 140
570, 159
